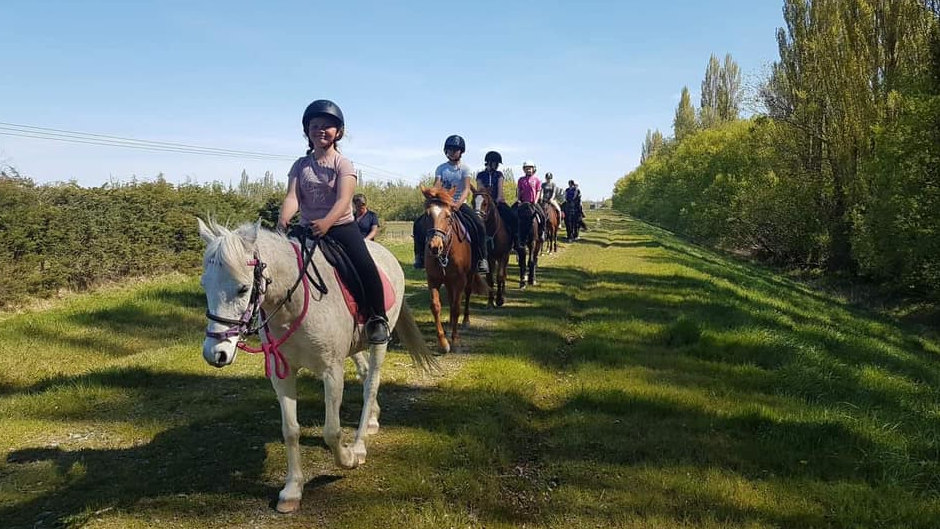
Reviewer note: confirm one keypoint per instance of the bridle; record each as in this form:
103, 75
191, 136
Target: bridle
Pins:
447, 239
243, 326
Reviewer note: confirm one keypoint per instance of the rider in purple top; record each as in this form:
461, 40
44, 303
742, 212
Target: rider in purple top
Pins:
321, 185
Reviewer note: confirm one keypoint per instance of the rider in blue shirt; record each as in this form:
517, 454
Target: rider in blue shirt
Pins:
454, 174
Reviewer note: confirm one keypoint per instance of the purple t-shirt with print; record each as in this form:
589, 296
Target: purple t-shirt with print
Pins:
316, 185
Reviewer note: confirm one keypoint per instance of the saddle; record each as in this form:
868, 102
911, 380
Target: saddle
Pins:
346, 274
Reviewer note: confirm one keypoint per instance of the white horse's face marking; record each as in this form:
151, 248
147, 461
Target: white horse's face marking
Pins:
478, 202
439, 217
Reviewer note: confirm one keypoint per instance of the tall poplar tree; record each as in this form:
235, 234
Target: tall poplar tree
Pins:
710, 87
729, 90
685, 122
653, 142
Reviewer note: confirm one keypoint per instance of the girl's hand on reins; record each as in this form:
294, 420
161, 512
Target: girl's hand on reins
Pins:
319, 227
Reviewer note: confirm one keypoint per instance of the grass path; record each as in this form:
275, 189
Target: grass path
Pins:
644, 383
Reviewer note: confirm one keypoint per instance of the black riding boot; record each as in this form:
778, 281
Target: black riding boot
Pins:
419, 235
377, 330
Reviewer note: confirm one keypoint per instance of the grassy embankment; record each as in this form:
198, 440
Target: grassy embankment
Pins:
644, 383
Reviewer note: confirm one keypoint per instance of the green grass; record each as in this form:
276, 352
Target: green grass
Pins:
643, 383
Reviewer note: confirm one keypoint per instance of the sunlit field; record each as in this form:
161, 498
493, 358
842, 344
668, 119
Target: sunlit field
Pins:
643, 383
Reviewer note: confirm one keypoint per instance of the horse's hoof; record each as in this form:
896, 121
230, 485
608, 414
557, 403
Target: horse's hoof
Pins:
359, 451
288, 506
499, 302
521, 286
345, 458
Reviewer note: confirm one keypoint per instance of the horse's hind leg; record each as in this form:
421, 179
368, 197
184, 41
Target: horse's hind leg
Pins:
454, 312
466, 304
288, 500
362, 365
332, 432
369, 420
493, 273
501, 281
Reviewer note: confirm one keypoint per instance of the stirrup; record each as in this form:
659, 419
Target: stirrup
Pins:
378, 331
483, 266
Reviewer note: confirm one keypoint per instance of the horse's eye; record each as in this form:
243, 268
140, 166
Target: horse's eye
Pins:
244, 290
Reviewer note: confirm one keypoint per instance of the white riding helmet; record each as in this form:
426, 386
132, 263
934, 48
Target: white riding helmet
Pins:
528, 163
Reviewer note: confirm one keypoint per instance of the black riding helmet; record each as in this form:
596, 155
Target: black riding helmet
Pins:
493, 156
455, 142
323, 107
548, 176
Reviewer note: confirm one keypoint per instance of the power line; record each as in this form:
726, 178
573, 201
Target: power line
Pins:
88, 138
117, 141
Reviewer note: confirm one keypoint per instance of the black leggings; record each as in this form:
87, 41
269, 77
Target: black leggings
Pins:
349, 236
466, 214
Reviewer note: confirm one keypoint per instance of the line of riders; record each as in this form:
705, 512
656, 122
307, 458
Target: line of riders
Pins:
454, 174
322, 183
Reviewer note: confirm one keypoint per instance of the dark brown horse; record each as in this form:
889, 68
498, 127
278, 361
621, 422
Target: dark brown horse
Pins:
552, 220
448, 262
498, 257
530, 244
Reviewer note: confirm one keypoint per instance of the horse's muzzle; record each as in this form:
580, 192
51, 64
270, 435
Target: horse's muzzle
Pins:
219, 353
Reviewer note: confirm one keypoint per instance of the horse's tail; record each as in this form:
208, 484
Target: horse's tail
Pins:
410, 336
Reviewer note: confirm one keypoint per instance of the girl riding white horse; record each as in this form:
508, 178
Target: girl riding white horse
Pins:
248, 273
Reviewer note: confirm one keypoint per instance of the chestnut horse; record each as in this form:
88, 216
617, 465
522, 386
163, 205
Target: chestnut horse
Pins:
448, 262
498, 256
530, 244
552, 221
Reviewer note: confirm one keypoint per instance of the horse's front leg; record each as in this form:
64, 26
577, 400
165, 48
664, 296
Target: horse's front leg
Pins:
436, 311
521, 258
501, 281
332, 432
369, 420
288, 500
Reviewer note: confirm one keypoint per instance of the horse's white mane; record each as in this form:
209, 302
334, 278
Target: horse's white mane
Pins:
230, 248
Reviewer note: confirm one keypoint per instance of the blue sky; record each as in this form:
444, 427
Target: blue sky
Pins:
572, 85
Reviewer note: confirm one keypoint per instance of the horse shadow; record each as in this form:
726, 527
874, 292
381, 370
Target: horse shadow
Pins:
217, 450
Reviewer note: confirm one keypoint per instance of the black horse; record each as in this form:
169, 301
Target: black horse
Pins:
530, 243
574, 219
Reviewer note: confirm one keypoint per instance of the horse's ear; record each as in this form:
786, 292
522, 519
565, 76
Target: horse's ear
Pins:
205, 232
426, 191
251, 234
473, 188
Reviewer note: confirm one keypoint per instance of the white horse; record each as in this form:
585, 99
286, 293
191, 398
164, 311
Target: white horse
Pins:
250, 271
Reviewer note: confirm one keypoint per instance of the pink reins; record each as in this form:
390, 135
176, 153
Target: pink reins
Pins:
271, 347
